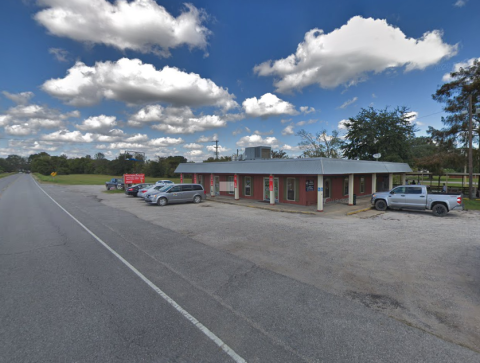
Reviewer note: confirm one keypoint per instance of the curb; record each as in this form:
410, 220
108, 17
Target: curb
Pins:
264, 208
358, 211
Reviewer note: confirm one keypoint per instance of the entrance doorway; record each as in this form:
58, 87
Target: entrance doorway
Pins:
266, 189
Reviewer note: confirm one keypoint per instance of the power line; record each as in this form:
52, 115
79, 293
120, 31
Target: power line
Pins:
436, 113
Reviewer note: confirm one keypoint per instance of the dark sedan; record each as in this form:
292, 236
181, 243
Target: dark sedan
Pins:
133, 190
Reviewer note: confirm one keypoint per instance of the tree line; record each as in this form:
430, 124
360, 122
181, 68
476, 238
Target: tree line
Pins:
45, 164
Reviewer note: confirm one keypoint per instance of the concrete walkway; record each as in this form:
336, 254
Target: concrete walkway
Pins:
339, 208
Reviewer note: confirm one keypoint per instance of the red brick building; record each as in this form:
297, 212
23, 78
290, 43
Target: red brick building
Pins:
309, 181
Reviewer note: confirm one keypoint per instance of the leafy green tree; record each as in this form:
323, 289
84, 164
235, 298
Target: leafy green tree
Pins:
280, 154
211, 159
15, 163
42, 164
3, 165
372, 131
155, 168
321, 144
454, 95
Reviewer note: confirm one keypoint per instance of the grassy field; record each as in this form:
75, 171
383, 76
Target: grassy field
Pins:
471, 204
87, 179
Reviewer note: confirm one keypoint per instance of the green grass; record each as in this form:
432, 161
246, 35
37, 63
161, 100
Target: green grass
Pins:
473, 204
88, 179
3, 175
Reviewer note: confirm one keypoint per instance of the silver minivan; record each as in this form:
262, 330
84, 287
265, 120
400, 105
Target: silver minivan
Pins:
178, 193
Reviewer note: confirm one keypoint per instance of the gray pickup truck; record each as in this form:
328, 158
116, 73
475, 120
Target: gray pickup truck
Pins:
417, 197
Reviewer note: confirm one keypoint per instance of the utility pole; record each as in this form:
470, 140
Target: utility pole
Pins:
470, 155
216, 149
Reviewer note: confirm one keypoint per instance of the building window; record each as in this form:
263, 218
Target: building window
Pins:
248, 186
345, 186
291, 189
230, 185
362, 185
326, 188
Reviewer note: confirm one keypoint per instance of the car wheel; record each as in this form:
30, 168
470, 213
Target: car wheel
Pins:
135, 194
380, 205
162, 202
439, 210
197, 199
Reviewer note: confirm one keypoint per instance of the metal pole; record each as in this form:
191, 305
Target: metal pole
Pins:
470, 155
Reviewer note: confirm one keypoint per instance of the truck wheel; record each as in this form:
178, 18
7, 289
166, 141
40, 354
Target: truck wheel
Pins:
439, 210
162, 202
380, 205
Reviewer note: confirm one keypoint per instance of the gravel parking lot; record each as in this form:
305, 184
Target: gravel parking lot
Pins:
412, 266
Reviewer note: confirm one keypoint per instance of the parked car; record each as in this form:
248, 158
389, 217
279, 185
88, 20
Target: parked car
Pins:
143, 191
115, 183
417, 197
133, 190
178, 193
163, 182
152, 190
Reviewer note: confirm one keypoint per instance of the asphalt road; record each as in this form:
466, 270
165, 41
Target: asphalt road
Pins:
65, 297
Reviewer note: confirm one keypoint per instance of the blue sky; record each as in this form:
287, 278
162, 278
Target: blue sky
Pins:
167, 78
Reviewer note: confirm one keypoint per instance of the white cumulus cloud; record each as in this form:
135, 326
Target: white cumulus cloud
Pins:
25, 119
207, 138
140, 25
101, 124
257, 140
69, 136
346, 55
288, 130
268, 105
306, 110
19, 98
133, 82
341, 124
193, 146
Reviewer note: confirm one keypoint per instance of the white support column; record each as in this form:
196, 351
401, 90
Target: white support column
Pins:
319, 193
374, 183
235, 185
390, 181
404, 179
350, 189
272, 189
212, 185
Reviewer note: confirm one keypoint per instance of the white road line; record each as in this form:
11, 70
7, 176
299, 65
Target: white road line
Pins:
167, 298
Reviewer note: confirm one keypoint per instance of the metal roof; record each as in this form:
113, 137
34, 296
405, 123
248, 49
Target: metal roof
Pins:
306, 166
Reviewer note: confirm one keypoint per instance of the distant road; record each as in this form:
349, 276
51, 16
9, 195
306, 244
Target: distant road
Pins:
66, 297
